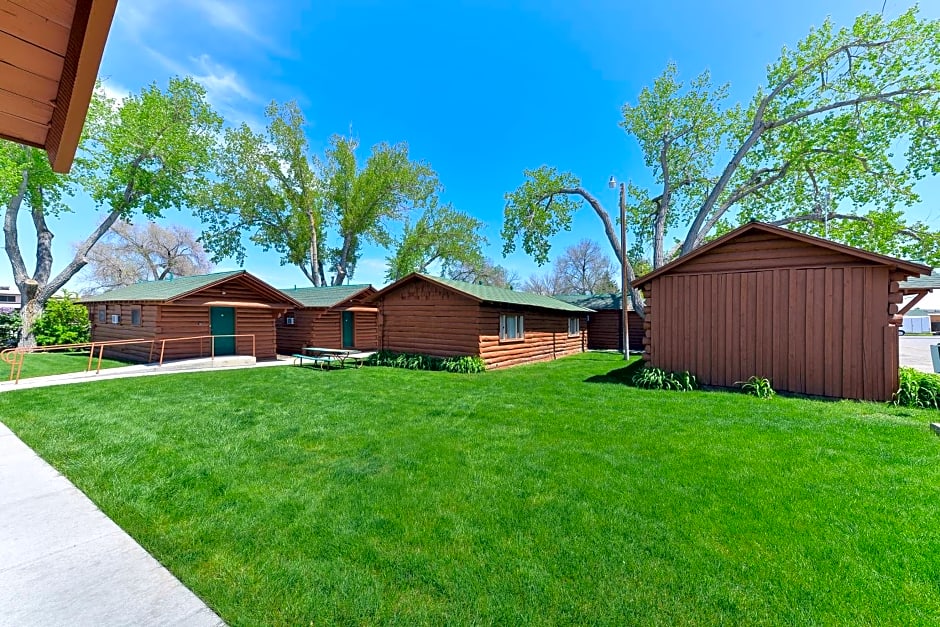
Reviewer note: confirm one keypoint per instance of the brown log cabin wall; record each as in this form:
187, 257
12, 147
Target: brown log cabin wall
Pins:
187, 317
316, 326
812, 320
545, 336
423, 318
603, 330
106, 331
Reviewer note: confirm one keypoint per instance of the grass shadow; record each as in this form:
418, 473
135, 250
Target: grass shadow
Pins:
621, 376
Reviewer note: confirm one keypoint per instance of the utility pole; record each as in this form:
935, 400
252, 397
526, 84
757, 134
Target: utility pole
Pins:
624, 285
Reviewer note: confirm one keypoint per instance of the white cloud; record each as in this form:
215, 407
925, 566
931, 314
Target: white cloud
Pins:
113, 90
222, 83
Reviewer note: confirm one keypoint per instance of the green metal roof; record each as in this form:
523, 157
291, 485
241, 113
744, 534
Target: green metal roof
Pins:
324, 296
923, 282
597, 302
502, 295
161, 290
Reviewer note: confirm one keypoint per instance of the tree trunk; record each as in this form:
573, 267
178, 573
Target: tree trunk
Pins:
314, 254
30, 311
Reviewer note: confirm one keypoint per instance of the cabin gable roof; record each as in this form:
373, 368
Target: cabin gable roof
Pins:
757, 228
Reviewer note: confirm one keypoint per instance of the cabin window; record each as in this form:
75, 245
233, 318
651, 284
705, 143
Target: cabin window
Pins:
510, 327
115, 318
574, 326
135, 316
289, 321
102, 314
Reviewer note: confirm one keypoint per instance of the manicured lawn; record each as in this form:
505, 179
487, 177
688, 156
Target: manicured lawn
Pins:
536, 495
45, 364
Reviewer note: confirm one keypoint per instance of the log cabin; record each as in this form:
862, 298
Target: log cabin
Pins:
604, 331
812, 316
330, 317
447, 318
220, 304
51, 51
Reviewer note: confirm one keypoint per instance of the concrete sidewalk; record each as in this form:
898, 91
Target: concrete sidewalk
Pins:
232, 362
63, 562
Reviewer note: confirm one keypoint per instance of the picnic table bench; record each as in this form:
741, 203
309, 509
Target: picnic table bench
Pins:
326, 357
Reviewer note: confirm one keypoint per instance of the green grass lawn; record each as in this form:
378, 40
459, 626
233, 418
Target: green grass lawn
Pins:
536, 495
45, 364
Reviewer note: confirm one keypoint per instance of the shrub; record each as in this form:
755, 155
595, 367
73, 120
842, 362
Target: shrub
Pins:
757, 386
659, 379
63, 322
10, 327
917, 389
410, 361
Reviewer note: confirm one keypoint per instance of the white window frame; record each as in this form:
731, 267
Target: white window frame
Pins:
115, 318
518, 323
289, 321
576, 323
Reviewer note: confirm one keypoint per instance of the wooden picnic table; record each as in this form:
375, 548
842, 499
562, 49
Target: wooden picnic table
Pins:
326, 357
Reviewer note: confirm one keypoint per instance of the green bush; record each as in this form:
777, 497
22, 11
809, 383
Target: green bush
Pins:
10, 326
917, 389
659, 379
410, 361
63, 321
757, 386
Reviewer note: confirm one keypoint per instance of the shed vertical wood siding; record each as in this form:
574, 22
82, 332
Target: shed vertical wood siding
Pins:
603, 330
421, 317
812, 320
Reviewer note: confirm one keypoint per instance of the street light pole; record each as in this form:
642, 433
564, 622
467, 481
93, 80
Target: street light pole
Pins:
624, 285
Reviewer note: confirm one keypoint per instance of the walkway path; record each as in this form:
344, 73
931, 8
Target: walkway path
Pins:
143, 370
915, 351
63, 562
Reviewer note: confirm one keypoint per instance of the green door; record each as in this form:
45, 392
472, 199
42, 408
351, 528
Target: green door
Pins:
222, 321
349, 339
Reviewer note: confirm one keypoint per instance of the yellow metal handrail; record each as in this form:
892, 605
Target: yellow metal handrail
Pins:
16, 356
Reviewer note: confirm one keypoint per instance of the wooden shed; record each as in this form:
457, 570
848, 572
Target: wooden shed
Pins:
331, 317
224, 303
50, 51
445, 318
604, 330
813, 316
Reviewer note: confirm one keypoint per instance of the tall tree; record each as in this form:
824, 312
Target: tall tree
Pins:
584, 268
835, 141
131, 253
142, 155
270, 188
484, 273
441, 235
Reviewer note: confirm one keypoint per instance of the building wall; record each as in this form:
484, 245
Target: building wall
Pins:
604, 330
818, 322
183, 318
321, 327
545, 336
421, 317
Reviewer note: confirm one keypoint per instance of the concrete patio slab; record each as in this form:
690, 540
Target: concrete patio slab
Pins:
63, 562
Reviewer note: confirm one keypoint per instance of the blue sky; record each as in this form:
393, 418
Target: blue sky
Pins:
480, 90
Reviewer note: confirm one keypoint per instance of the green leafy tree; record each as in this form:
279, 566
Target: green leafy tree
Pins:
268, 187
140, 156
63, 321
10, 326
441, 234
835, 141
484, 273
272, 190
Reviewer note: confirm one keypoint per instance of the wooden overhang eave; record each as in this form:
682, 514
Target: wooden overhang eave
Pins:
892, 263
